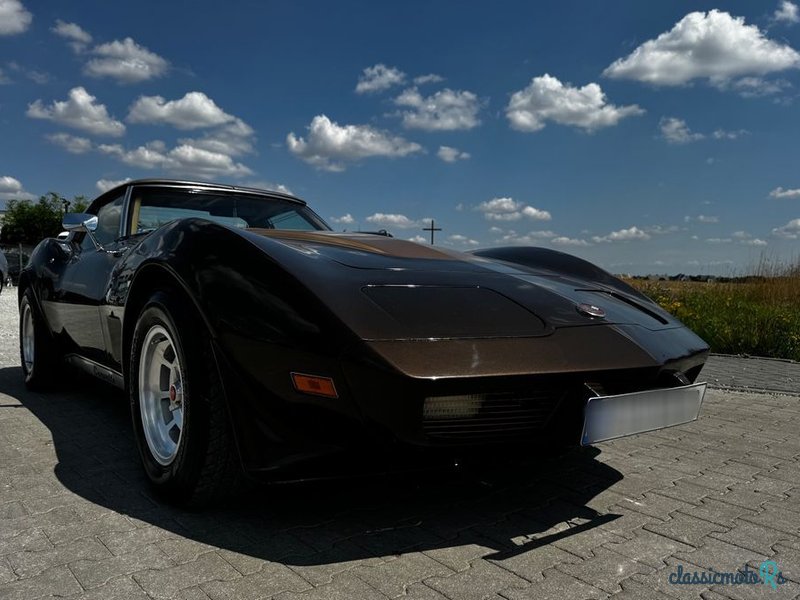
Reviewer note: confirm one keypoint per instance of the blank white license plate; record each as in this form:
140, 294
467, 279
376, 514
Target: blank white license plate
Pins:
609, 417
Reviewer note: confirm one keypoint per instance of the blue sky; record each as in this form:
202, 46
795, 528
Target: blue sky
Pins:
646, 137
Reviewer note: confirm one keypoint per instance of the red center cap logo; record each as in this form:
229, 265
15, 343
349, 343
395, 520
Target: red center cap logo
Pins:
172, 393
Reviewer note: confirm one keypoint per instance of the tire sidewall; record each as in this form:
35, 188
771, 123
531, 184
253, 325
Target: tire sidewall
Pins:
184, 471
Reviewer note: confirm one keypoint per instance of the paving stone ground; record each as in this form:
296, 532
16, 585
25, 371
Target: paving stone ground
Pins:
77, 519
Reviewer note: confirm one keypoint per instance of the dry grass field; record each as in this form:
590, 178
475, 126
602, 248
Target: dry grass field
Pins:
757, 315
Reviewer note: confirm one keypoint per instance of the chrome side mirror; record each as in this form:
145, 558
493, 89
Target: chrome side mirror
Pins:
79, 222
82, 222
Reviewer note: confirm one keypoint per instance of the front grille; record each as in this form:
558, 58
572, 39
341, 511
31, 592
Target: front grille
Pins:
489, 417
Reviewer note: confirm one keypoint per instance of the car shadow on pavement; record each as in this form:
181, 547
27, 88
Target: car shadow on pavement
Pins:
509, 509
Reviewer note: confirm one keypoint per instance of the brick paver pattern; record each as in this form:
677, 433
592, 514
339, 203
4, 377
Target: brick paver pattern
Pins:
77, 519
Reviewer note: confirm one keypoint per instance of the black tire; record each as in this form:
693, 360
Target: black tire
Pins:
42, 363
203, 466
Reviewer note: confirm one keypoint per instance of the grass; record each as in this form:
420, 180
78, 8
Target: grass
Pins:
757, 315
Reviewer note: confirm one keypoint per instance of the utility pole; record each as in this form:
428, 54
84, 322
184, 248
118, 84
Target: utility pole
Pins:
432, 229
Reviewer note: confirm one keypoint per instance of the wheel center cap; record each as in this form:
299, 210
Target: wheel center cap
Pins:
173, 394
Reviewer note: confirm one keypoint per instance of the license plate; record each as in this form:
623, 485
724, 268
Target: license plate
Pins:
610, 417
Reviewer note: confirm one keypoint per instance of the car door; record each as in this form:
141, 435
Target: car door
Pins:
80, 279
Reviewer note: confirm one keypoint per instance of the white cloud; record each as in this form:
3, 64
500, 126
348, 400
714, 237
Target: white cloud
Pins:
676, 131
567, 241
723, 134
234, 139
779, 192
623, 235
78, 37
713, 46
344, 219
195, 110
392, 220
451, 155
268, 185
756, 87
462, 240
11, 189
446, 110
661, 230
330, 146
528, 239
79, 111
182, 159
103, 185
508, 209
701, 219
126, 61
14, 18
430, 78
754, 242
719, 240
789, 231
418, 239
741, 235
378, 78
495, 230
786, 13
71, 143
547, 99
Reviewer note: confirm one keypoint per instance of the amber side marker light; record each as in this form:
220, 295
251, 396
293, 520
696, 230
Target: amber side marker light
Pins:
315, 385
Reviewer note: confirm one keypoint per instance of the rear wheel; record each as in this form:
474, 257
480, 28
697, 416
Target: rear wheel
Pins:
39, 355
179, 414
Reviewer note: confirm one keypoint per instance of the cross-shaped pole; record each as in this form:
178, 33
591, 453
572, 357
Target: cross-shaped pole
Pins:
431, 229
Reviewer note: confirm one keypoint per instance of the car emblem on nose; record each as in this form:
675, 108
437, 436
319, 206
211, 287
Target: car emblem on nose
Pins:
590, 310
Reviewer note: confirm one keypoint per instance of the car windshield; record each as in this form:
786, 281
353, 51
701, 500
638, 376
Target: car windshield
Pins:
154, 207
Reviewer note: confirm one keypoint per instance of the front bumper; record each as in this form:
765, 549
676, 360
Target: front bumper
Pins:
610, 417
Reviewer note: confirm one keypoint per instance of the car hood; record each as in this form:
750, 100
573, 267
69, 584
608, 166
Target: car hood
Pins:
386, 288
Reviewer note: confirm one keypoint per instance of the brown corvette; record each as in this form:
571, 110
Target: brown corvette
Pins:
253, 339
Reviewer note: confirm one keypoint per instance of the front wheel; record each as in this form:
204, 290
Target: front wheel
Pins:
38, 353
179, 414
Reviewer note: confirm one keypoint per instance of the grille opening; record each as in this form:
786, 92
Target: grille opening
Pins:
487, 417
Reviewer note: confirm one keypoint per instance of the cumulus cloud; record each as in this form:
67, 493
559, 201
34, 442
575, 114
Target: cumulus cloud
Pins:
723, 134
11, 189
126, 61
714, 46
622, 235
14, 18
701, 219
462, 240
429, 78
756, 87
182, 159
330, 146
779, 192
568, 241
195, 110
346, 219
547, 99
79, 111
378, 78
234, 139
451, 155
754, 242
103, 185
676, 131
520, 239
508, 209
790, 231
446, 110
786, 13
78, 38
71, 143
418, 239
392, 220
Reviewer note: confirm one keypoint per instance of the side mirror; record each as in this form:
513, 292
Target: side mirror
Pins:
79, 222
82, 222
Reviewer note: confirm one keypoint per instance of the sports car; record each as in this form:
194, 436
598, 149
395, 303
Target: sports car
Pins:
251, 339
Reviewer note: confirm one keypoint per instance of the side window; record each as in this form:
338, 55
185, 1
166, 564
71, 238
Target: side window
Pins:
108, 220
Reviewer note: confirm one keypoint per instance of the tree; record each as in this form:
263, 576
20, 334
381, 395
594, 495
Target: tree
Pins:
27, 222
